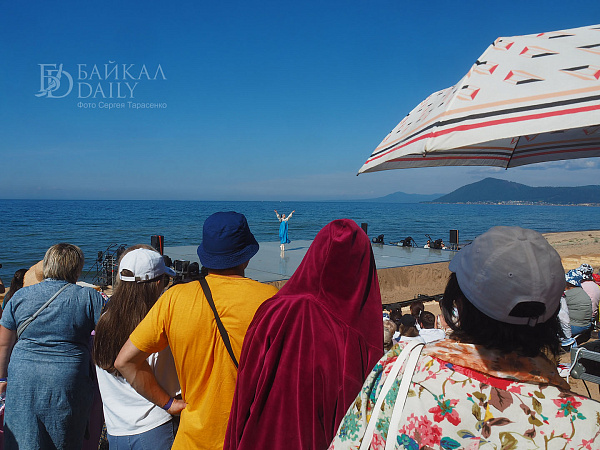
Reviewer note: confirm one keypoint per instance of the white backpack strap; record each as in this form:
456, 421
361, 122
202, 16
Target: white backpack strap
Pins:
409, 371
406, 351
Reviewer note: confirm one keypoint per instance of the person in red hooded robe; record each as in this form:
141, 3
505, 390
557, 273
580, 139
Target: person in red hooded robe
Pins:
310, 347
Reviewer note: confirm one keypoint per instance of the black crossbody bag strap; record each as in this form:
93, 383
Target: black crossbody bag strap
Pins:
220, 325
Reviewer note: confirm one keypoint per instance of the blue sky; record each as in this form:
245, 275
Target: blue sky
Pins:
264, 100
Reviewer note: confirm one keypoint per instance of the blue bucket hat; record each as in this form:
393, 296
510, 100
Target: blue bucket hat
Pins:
226, 241
574, 277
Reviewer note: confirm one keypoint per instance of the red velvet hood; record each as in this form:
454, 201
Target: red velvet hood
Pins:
310, 347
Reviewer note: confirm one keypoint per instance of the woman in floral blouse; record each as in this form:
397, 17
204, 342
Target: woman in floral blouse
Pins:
494, 384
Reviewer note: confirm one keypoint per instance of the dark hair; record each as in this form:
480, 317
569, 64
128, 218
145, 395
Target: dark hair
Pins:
416, 308
408, 326
15, 284
408, 331
427, 320
475, 327
395, 316
128, 305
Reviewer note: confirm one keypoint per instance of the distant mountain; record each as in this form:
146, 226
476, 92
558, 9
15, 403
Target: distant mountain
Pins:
493, 190
402, 197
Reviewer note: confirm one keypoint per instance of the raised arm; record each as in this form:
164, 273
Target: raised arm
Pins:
132, 364
278, 215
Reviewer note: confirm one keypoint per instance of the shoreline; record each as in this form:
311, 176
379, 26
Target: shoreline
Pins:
516, 203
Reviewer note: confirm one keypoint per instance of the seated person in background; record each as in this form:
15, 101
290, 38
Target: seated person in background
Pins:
416, 308
395, 317
440, 322
491, 384
389, 329
578, 302
566, 339
408, 329
428, 331
590, 287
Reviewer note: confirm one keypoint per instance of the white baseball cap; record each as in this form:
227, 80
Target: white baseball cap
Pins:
506, 266
144, 264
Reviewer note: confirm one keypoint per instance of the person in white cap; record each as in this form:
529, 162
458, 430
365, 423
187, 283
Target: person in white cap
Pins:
183, 318
132, 421
491, 384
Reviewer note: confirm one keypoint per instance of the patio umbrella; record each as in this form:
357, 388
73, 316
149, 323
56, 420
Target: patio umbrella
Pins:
527, 99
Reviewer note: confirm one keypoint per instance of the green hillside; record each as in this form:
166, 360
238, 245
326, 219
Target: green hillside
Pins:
493, 190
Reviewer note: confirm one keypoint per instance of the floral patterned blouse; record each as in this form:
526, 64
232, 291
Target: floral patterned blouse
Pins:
464, 396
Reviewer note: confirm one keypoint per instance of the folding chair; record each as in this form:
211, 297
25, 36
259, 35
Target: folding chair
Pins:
585, 363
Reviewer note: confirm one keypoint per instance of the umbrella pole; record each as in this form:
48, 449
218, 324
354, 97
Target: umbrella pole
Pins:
512, 153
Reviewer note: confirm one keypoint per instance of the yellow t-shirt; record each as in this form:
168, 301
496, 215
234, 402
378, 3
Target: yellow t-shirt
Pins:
182, 319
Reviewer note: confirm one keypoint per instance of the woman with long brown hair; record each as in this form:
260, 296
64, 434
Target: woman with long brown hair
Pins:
131, 420
15, 284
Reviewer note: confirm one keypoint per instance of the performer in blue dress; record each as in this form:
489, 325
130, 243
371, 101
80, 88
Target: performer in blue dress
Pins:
283, 229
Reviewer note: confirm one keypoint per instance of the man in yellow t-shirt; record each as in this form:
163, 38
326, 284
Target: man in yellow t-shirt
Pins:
183, 319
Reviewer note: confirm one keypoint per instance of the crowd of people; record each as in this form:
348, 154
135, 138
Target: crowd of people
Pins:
225, 362
419, 325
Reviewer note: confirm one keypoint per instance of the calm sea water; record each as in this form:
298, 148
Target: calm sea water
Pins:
29, 227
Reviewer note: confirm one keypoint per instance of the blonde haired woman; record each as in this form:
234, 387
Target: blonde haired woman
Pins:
48, 381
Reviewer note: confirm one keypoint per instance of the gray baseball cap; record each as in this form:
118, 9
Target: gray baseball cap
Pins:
506, 266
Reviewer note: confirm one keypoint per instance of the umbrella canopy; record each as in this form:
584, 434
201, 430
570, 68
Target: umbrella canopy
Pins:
527, 99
